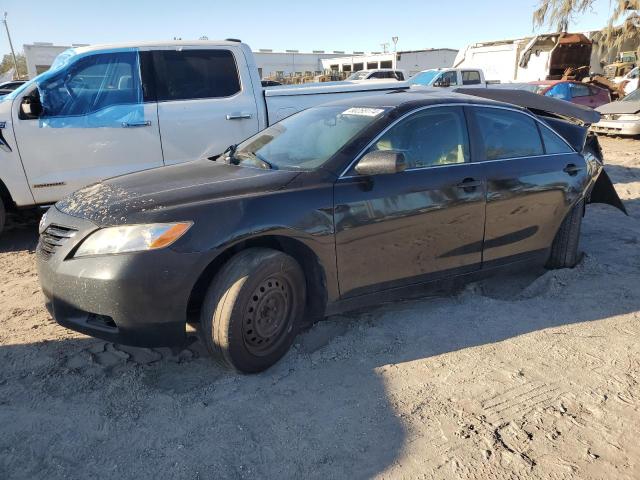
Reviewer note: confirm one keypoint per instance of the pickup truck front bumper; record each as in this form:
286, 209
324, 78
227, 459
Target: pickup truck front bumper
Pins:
135, 299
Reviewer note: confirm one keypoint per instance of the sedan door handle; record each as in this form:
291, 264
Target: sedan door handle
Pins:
571, 169
136, 124
469, 183
238, 116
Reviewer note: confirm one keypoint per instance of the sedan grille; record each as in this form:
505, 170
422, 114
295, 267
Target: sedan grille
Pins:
54, 237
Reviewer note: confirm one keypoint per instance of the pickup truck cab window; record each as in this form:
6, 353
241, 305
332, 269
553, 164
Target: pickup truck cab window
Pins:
193, 74
432, 137
507, 134
471, 77
449, 78
91, 84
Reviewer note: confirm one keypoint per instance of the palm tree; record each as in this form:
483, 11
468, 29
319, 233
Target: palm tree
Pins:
623, 23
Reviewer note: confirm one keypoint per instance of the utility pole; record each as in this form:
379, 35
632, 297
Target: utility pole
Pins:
15, 60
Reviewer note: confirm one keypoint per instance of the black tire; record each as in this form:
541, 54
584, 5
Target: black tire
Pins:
252, 309
564, 249
3, 216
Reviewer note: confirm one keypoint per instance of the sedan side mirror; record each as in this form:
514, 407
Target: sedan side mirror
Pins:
381, 162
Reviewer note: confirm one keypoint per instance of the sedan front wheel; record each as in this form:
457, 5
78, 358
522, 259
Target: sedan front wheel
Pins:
252, 309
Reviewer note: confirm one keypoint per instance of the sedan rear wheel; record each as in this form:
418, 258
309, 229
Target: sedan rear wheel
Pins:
564, 250
251, 312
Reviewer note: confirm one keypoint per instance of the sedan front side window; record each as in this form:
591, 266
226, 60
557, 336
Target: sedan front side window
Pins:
429, 138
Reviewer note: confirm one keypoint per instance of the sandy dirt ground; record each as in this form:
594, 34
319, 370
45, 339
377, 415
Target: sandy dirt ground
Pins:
530, 376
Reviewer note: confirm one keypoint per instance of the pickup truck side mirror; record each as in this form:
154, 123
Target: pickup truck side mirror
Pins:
442, 82
381, 162
30, 108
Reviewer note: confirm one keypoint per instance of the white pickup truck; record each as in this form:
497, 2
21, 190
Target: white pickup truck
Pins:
450, 78
102, 111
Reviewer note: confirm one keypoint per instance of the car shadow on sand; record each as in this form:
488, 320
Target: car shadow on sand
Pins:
324, 411
20, 232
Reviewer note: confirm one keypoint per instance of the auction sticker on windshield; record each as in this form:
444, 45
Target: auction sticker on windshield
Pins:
364, 112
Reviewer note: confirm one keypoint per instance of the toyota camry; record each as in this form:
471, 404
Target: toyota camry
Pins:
336, 207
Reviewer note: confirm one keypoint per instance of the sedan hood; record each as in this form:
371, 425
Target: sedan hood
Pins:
620, 107
117, 200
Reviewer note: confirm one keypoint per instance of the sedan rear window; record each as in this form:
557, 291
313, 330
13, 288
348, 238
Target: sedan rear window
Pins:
507, 134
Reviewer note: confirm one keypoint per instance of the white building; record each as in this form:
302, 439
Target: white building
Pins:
412, 61
291, 62
40, 56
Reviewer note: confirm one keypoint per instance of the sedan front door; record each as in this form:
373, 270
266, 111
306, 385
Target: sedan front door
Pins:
417, 225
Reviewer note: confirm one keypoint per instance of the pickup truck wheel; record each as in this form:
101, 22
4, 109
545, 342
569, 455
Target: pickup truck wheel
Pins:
564, 249
3, 215
251, 311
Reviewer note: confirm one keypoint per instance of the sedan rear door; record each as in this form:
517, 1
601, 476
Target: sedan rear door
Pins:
533, 178
417, 225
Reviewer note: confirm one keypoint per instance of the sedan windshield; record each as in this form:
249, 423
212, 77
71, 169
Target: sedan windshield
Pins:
308, 139
358, 75
632, 97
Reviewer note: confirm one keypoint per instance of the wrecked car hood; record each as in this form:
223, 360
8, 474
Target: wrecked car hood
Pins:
116, 200
620, 107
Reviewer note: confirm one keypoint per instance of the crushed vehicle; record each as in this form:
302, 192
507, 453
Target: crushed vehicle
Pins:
621, 117
575, 92
107, 110
432, 187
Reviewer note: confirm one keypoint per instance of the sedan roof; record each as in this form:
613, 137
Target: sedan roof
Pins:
416, 97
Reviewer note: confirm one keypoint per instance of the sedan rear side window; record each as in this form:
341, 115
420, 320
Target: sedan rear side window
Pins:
429, 138
193, 74
553, 144
507, 134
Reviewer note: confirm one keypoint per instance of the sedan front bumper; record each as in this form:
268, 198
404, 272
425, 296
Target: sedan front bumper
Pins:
616, 127
134, 299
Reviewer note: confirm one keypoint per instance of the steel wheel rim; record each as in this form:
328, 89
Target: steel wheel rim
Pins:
267, 315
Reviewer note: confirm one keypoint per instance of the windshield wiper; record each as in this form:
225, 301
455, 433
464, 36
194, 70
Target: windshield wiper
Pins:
260, 158
229, 154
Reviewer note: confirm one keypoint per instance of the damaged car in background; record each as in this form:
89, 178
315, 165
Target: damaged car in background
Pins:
621, 117
336, 207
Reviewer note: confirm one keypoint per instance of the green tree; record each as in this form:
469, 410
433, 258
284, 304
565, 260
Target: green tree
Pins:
7, 64
623, 23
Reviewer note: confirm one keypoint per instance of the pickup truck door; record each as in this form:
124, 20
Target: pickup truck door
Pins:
206, 101
95, 124
418, 225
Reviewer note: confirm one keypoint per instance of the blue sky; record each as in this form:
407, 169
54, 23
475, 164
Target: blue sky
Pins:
302, 24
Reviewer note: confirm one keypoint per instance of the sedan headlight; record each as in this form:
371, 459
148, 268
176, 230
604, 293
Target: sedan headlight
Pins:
132, 238
629, 117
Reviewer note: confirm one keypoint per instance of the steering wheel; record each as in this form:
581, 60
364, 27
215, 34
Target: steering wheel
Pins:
65, 83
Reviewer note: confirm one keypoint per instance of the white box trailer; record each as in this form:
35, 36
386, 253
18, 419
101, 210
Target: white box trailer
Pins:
543, 57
